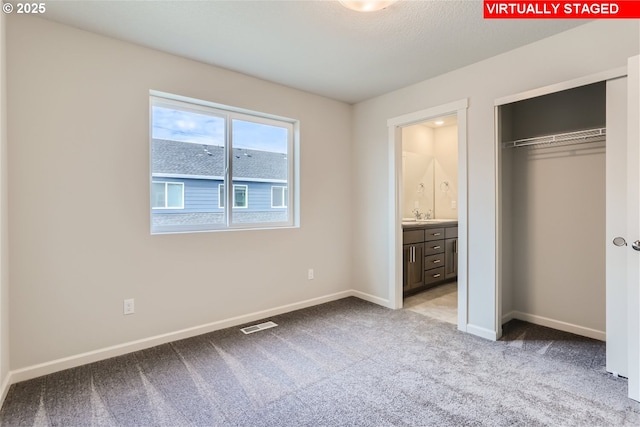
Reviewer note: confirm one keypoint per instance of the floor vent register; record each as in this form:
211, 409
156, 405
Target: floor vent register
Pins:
259, 327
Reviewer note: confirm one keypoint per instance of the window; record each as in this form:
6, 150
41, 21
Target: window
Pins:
167, 195
278, 197
240, 198
211, 148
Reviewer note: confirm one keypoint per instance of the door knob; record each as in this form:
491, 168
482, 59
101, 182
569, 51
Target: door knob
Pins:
619, 241
636, 245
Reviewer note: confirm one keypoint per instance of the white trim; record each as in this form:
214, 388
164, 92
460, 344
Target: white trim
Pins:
395, 181
371, 298
46, 368
187, 102
482, 332
428, 113
557, 324
558, 87
509, 316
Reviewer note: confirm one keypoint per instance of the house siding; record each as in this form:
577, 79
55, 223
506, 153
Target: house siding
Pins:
201, 201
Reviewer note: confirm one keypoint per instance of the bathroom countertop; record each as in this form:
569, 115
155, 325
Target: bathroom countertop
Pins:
432, 223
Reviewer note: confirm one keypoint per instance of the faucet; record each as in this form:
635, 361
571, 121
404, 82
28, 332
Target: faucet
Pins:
417, 214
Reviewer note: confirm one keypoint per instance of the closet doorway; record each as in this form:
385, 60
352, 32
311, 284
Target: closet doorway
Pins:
561, 155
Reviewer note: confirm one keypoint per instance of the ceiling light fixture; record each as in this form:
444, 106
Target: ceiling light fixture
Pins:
439, 122
366, 5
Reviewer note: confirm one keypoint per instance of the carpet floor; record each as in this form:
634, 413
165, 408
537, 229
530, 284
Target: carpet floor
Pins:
344, 363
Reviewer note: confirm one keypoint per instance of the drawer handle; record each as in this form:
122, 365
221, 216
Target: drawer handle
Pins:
435, 276
436, 247
437, 261
436, 234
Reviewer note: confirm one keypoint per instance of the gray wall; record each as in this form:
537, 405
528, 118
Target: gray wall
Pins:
590, 48
79, 199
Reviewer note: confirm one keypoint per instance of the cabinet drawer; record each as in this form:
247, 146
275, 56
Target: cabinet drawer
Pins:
450, 232
433, 261
412, 236
433, 234
433, 276
434, 247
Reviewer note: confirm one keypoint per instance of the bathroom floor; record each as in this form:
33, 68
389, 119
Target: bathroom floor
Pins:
440, 303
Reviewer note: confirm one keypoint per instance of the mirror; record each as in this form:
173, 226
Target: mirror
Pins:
430, 169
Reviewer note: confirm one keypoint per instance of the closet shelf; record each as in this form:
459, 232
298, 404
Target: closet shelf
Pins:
579, 137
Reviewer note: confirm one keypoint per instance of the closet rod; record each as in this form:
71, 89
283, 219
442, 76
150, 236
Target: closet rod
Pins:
579, 137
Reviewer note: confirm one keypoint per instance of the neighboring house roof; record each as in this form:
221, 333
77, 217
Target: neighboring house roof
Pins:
186, 158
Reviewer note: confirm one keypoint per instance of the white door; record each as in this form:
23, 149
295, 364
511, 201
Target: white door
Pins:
623, 226
616, 214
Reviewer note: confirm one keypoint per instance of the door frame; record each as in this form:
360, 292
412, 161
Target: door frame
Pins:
633, 303
395, 125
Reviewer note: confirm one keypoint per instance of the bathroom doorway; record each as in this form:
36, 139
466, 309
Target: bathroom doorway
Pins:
436, 200
429, 203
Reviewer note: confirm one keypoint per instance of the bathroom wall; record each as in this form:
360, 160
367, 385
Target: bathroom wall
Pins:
417, 169
446, 172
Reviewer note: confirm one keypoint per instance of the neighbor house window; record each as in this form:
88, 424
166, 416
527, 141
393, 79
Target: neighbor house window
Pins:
221, 155
240, 198
167, 195
278, 197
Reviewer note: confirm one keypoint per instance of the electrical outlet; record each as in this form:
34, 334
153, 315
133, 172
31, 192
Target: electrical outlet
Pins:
310, 274
454, 204
129, 307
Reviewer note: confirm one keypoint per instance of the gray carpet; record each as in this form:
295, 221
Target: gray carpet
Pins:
344, 363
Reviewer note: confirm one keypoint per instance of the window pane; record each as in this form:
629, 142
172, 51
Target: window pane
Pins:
199, 150
187, 144
174, 195
157, 195
240, 196
221, 196
259, 161
279, 197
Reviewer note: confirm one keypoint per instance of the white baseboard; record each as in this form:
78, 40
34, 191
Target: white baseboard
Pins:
46, 368
509, 316
482, 332
371, 298
558, 324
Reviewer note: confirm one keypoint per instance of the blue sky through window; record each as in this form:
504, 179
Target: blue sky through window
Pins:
186, 126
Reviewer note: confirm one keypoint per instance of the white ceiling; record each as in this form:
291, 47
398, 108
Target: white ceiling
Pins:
317, 46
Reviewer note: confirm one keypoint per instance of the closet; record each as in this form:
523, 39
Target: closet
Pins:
552, 204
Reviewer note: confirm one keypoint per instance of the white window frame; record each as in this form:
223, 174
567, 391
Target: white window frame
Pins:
166, 195
246, 197
284, 190
166, 100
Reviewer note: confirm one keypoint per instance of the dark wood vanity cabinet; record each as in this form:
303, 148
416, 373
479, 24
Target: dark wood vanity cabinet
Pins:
434, 251
430, 256
451, 253
412, 259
